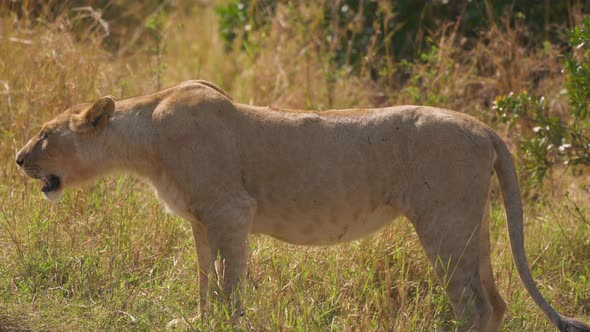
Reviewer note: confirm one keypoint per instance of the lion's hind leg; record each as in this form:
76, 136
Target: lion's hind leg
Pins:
487, 276
452, 243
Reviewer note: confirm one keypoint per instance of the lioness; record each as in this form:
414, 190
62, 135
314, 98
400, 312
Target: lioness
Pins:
309, 178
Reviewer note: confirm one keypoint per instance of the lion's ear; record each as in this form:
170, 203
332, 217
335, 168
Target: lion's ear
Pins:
96, 117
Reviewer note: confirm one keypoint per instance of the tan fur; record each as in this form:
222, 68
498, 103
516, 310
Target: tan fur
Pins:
310, 178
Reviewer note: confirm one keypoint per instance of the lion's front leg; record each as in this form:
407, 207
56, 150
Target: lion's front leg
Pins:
230, 266
227, 230
204, 263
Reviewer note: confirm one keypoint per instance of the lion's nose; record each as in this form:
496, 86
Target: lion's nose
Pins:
20, 160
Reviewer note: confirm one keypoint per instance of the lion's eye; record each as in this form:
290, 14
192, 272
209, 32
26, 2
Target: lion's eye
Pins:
44, 135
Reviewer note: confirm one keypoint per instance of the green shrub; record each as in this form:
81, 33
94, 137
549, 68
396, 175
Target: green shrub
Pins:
386, 29
238, 18
553, 139
577, 65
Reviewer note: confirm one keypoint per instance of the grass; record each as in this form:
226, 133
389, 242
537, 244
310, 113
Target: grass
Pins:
107, 257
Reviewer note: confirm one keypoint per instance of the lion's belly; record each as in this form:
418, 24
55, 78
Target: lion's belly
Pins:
323, 226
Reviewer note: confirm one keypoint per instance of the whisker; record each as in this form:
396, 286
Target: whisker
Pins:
34, 171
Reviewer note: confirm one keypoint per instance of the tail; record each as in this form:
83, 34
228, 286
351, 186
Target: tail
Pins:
504, 166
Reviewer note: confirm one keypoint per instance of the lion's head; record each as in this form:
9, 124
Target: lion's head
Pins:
61, 153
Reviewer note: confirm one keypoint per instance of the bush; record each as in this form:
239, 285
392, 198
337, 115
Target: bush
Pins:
386, 29
555, 140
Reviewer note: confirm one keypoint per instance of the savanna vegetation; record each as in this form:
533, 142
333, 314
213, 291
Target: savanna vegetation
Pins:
107, 257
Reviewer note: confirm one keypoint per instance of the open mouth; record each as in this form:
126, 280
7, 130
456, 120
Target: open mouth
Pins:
52, 183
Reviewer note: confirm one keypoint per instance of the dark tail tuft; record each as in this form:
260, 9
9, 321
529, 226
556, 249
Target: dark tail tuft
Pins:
567, 324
